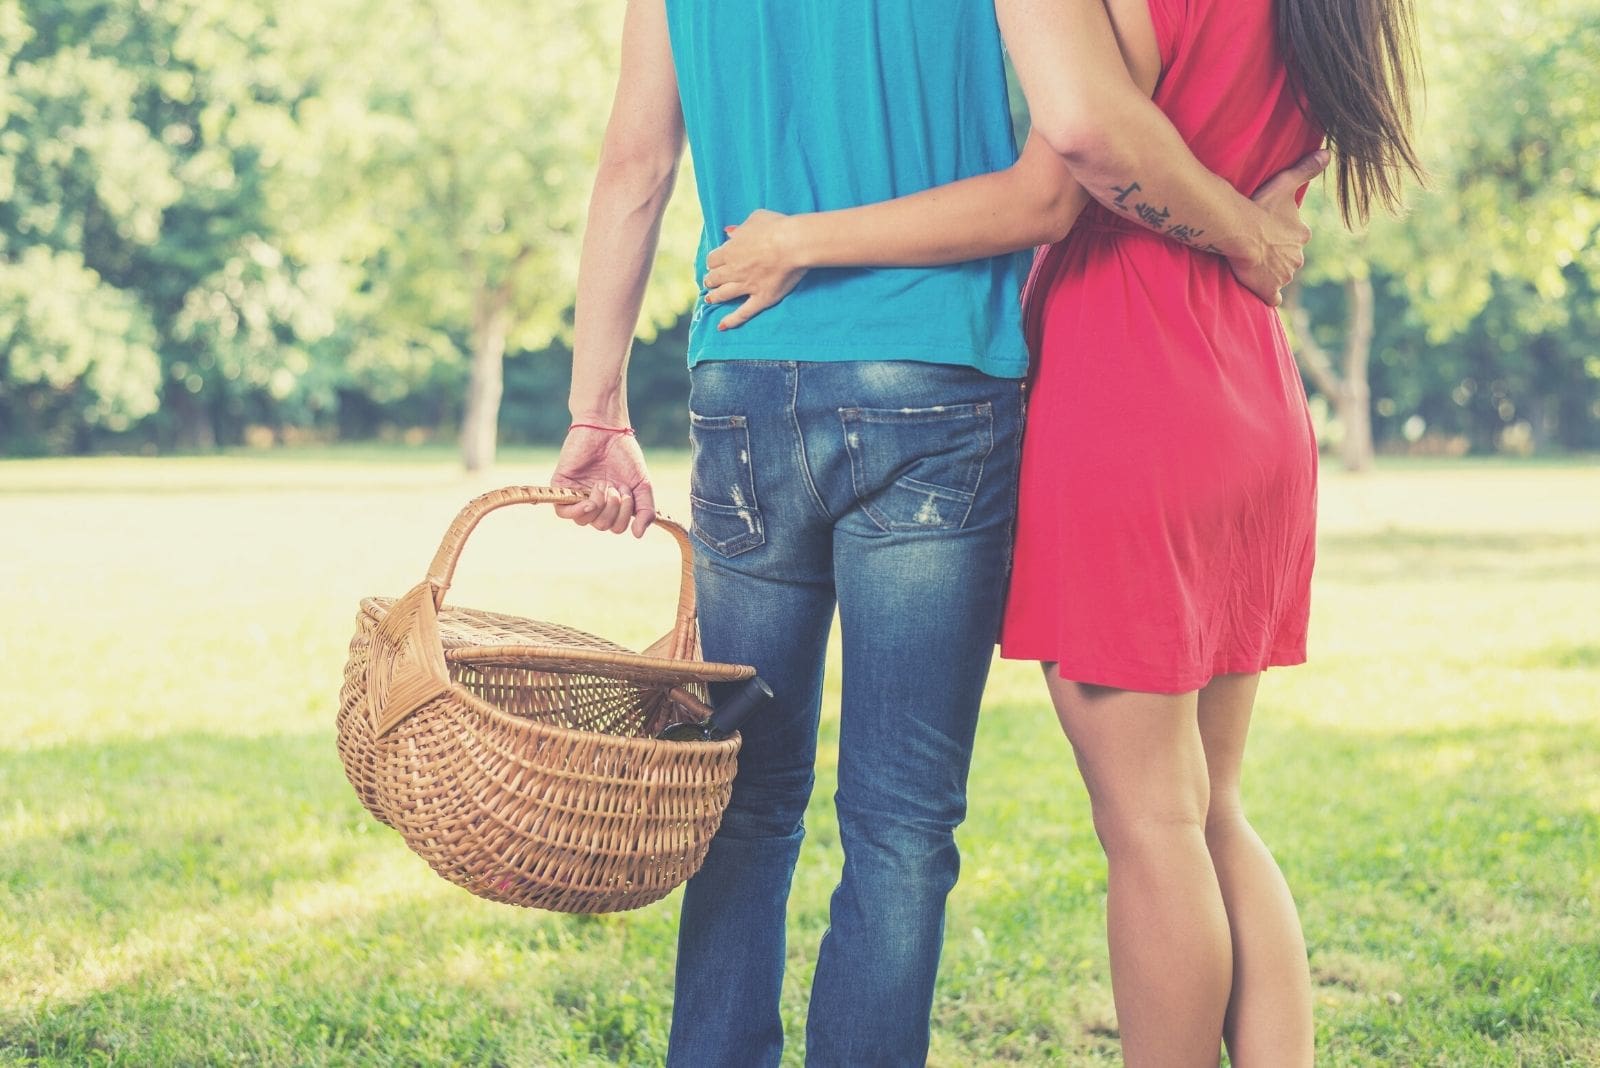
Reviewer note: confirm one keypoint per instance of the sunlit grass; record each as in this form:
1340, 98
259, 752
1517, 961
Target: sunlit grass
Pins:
185, 877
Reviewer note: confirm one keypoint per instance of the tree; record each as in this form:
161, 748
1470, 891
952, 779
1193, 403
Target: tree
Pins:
140, 144
1346, 384
76, 170
1513, 145
459, 145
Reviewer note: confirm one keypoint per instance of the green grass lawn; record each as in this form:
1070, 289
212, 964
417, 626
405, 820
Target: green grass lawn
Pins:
187, 879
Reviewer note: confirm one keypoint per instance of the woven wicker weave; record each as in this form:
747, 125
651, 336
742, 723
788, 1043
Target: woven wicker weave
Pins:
518, 757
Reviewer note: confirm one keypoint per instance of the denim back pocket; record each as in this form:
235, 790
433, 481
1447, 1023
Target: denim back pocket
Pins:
918, 468
722, 485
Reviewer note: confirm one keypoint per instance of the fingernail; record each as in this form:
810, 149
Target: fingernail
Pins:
721, 327
586, 506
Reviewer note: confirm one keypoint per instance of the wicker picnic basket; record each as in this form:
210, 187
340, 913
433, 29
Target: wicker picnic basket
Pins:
518, 757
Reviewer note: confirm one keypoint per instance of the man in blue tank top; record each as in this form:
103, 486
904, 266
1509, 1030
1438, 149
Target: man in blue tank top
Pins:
855, 449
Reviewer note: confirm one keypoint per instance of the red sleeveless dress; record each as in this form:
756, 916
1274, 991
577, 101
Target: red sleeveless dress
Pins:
1166, 527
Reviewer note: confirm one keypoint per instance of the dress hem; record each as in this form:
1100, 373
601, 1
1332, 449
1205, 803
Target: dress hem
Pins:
1140, 680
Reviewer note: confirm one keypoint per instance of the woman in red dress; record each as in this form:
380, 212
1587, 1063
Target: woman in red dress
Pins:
1166, 525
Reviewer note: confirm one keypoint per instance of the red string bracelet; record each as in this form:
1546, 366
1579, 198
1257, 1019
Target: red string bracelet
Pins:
628, 430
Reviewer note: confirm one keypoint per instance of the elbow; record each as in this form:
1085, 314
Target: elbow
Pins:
1082, 130
1046, 221
1077, 139
1047, 196
639, 172
1058, 214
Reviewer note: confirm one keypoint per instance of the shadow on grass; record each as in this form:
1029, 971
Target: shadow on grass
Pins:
1429, 556
120, 824
1446, 880
1564, 657
1447, 884
411, 984
194, 899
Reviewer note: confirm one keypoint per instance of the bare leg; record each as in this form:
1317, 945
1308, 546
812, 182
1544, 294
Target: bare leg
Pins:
1171, 961
1269, 1017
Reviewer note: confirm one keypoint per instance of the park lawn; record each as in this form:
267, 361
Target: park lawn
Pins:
187, 879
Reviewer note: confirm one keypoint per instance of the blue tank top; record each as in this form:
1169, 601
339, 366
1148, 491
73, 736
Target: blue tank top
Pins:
810, 105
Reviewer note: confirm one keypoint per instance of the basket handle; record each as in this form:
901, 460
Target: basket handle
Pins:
682, 642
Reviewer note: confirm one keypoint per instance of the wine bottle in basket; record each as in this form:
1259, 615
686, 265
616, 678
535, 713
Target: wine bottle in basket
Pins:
730, 713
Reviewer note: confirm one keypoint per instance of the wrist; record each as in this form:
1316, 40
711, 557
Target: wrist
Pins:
608, 410
795, 244
603, 428
1247, 243
604, 419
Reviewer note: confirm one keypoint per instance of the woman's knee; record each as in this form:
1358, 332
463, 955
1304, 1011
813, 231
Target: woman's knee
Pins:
1148, 830
1224, 816
1140, 803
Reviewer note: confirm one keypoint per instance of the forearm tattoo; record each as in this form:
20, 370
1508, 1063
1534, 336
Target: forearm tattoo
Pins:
1158, 219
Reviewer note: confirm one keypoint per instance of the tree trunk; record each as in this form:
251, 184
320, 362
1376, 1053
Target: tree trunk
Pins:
480, 421
193, 427
1347, 387
1355, 396
1544, 403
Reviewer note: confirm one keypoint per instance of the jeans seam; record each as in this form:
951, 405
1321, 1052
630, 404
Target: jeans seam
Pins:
1016, 490
801, 460
855, 476
983, 463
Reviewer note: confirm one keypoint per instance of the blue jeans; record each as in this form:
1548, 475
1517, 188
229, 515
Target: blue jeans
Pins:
889, 490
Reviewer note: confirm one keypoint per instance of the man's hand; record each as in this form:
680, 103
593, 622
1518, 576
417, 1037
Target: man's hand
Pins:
1282, 252
757, 262
609, 466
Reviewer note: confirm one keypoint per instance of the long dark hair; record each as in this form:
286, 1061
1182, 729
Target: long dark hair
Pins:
1354, 62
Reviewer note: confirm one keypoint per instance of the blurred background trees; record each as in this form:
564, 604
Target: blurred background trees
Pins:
226, 222
1470, 322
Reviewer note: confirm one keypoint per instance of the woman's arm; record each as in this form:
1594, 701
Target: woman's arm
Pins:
1128, 155
1088, 68
1033, 202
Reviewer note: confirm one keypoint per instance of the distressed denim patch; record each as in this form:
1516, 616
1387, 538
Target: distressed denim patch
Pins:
722, 486
918, 468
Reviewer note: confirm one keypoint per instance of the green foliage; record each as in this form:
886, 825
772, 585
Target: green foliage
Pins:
76, 351
456, 147
1495, 267
79, 351
1517, 145
138, 145
292, 207
219, 213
